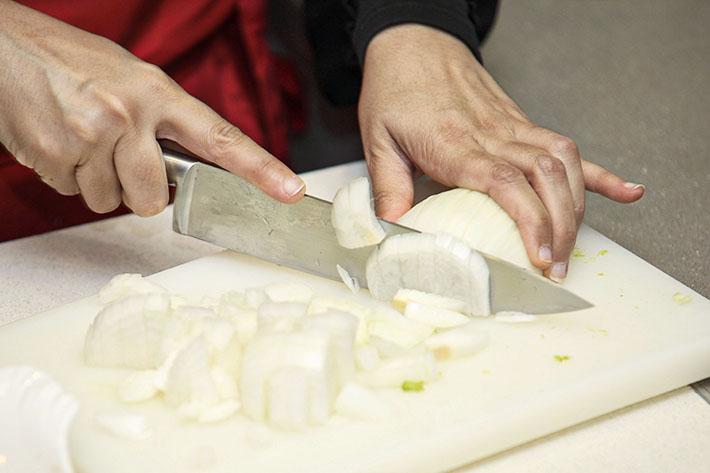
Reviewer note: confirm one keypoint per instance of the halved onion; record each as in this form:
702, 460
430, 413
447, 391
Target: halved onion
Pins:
476, 219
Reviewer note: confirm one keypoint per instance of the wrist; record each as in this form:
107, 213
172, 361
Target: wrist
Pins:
415, 46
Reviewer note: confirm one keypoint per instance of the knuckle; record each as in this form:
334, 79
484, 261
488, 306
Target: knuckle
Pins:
223, 137
565, 147
549, 166
102, 108
566, 233
156, 79
537, 220
44, 147
503, 173
266, 168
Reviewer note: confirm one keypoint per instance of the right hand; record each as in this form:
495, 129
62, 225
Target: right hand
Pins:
86, 115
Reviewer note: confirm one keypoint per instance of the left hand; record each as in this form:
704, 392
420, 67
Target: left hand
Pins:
427, 105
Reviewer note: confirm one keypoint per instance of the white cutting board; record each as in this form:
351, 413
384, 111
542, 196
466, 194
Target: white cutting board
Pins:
635, 343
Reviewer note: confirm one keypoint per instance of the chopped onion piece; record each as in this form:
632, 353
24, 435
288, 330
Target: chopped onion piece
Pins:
348, 280
189, 379
405, 296
437, 264
311, 351
395, 371
139, 386
320, 305
353, 216
392, 326
434, 316
289, 292
124, 285
462, 341
367, 358
280, 316
128, 332
219, 412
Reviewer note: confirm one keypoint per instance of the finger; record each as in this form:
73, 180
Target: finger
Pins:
199, 129
508, 186
566, 151
392, 184
603, 182
98, 181
549, 178
141, 172
52, 172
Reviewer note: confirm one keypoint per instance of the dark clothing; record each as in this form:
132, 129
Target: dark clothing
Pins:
340, 30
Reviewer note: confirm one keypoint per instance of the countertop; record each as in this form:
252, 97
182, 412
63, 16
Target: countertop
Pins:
668, 433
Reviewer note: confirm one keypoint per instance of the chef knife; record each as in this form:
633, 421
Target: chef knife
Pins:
216, 206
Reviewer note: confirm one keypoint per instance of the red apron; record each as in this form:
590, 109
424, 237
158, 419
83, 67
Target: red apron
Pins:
215, 49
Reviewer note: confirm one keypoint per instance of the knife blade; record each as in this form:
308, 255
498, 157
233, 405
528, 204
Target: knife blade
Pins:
219, 207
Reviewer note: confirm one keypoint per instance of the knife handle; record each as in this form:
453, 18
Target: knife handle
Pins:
176, 165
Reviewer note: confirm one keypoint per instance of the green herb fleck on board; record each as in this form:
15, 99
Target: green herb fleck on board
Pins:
602, 252
682, 299
600, 274
561, 358
413, 386
578, 253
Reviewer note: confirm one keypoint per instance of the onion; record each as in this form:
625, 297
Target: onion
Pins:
476, 219
434, 316
405, 296
124, 285
127, 333
462, 341
353, 216
395, 371
438, 264
348, 280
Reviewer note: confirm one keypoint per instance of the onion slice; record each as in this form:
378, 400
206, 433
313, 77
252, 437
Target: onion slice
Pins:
438, 264
353, 216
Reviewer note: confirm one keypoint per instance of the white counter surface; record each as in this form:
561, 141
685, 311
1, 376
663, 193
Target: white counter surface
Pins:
667, 433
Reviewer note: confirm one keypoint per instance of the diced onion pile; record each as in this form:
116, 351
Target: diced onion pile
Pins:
278, 354
284, 355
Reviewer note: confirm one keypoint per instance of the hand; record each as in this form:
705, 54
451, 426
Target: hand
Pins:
427, 105
85, 115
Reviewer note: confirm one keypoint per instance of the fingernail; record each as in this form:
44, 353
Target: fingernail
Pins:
293, 186
558, 272
634, 186
545, 253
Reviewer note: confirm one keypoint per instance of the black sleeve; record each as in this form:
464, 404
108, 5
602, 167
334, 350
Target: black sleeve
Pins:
340, 30
373, 16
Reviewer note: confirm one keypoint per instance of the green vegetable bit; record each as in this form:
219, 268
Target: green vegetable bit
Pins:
561, 358
682, 299
413, 386
578, 253
602, 252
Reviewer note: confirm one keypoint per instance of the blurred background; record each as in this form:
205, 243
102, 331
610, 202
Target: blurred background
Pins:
627, 80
